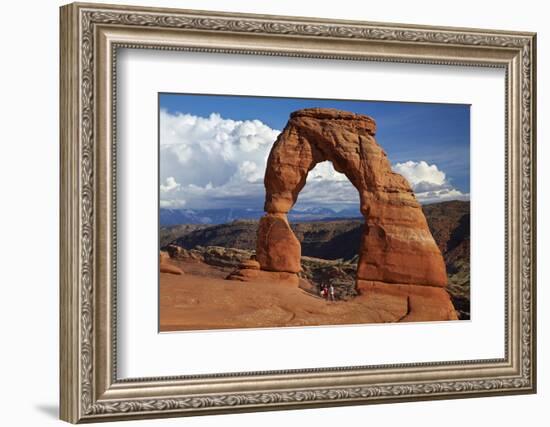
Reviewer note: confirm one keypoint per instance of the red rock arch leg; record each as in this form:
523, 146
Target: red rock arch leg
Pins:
289, 162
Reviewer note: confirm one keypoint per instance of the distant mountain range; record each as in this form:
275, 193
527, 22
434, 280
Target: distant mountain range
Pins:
222, 216
330, 237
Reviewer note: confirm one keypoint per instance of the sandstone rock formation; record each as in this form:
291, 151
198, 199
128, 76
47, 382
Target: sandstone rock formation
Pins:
278, 249
165, 266
423, 303
250, 264
280, 278
396, 246
246, 270
249, 270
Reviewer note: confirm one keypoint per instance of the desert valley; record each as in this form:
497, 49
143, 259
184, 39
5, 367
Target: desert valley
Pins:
207, 254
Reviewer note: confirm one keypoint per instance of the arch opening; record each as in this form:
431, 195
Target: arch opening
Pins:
327, 222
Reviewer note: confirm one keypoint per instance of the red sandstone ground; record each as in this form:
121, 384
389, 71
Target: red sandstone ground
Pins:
201, 298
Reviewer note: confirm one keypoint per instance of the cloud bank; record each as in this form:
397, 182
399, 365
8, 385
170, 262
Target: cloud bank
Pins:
428, 182
213, 162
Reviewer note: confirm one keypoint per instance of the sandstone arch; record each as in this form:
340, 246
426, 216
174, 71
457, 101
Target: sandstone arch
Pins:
396, 247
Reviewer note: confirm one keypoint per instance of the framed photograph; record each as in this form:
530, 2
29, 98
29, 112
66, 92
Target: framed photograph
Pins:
268, 212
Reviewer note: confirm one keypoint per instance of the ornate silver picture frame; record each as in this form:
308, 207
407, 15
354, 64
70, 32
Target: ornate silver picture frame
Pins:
91, 36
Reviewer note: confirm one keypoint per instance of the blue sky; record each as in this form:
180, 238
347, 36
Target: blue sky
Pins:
212, 144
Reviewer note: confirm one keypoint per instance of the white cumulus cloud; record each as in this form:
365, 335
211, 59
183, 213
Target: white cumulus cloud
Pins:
418, 173
170, 185
214, 162
206, 160
172, 204
328, 188
428, 182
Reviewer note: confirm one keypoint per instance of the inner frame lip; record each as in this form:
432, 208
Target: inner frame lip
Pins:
462, 364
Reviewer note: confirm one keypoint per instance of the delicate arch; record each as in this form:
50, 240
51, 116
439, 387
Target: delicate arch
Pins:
396, 246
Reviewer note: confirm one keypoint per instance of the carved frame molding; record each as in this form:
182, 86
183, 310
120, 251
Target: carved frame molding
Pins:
90, 37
